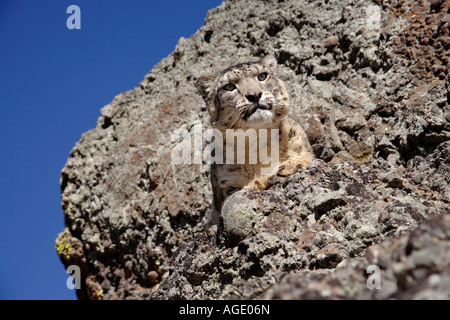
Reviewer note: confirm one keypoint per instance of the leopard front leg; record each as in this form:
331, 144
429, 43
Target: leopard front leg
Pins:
258, 183
291, 166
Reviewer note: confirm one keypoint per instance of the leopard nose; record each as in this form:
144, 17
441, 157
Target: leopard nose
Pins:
254, 96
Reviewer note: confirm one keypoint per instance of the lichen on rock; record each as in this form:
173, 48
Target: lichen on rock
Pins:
368, 83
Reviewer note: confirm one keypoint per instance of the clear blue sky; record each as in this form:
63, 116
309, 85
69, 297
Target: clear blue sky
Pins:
53, 82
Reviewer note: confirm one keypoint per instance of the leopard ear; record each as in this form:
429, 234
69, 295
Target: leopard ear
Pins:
203, 85
270, 62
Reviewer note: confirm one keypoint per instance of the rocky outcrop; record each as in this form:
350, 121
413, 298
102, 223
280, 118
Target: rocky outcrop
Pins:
285, 242
369, 83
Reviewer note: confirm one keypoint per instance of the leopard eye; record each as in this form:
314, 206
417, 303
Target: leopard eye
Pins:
229, 87
262, 76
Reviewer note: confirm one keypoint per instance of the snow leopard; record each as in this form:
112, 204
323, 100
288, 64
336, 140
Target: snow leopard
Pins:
250, 97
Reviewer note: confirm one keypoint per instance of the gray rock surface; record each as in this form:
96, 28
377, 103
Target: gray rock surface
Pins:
328, 217
369, 83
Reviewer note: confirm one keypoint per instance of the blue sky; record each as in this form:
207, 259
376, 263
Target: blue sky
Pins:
53, 82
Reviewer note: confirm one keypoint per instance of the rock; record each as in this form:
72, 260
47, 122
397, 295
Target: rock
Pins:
393, 180
322, 203
360, 209
407, 270
435, 4
239, 215
331, 41
330, 256
368, 84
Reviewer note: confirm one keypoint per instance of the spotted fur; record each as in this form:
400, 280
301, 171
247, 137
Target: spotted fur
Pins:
251, 96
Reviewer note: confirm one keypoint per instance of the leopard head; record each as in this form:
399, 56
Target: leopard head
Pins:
247, 95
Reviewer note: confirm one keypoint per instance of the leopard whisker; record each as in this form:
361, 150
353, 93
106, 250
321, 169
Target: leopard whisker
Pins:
239, 122
238, 116
232, 113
